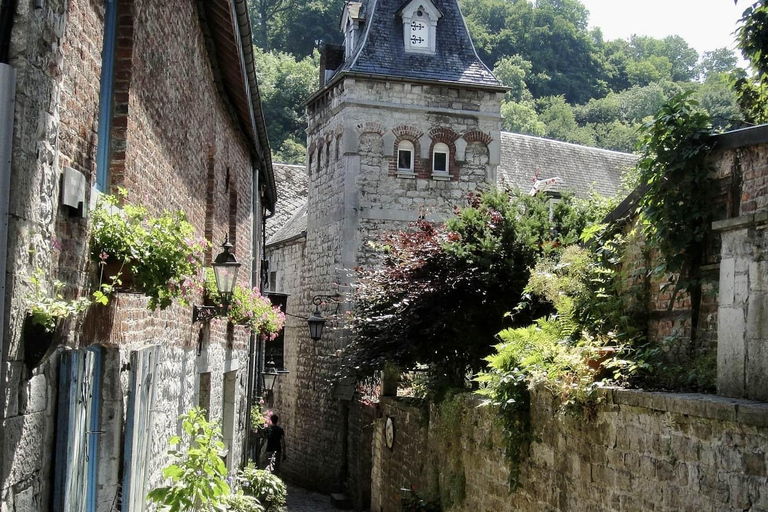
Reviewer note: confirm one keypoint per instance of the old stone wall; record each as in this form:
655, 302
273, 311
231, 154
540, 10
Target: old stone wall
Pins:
171, 127
742, 359
640, 451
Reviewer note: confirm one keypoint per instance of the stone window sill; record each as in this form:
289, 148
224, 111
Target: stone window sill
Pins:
409, 175
441, 176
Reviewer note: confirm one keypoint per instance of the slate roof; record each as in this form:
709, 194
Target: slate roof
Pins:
581, 168
382, 52
292, 191
296, 227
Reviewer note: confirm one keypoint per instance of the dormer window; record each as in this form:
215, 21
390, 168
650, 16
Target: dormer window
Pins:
351, 23
420, 19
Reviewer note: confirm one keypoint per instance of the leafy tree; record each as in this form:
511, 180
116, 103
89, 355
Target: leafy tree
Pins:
441, 293
560, 120
718, 61
292, 151
521, 117
512, 72
651, 69
285, 83
305, 28
752, 92
263, 13
616, 135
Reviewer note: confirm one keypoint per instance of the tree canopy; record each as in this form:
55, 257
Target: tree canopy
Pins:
566, 81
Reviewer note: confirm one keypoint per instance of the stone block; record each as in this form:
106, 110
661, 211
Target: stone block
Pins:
35, 394
24, 446
758, 276
461, 149
727, 282
731, 352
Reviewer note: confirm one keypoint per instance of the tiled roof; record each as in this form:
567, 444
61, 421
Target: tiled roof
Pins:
294, 228
582, 169
382, 52
291, 192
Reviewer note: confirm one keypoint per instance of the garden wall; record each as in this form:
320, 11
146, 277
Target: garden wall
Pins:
639, 451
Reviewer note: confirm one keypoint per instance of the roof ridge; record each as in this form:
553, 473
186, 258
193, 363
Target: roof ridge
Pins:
555, 141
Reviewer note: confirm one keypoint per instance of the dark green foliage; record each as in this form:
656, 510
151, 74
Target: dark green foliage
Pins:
752, 91
285, 83
456, 284
676, 215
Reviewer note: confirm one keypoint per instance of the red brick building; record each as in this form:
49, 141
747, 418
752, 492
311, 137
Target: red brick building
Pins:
161, 98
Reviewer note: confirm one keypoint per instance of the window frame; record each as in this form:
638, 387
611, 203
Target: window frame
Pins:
410, 147
441, 148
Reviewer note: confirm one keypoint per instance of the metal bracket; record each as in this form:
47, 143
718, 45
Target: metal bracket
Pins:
204, 313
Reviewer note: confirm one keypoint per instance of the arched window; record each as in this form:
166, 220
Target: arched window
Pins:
440, 158
405, 153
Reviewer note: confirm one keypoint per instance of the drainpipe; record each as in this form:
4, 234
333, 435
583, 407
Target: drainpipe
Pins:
7, 98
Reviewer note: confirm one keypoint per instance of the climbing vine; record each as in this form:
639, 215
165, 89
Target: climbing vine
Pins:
676, 211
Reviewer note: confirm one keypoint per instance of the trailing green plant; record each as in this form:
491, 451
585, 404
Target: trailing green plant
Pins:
450, 424
676, 208
47, 307
163, 254
266, 487
197, 474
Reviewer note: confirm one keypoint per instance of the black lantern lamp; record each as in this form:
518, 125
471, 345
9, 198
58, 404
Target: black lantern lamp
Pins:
316, 321
225, 268
269, 376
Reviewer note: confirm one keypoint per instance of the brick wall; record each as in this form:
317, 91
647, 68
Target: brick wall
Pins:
641, 451
171, 126
739, 176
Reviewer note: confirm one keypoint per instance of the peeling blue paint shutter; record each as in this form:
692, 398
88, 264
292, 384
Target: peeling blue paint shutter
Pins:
138, 428
78, 409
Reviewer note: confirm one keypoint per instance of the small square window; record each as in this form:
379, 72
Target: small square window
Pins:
404, 160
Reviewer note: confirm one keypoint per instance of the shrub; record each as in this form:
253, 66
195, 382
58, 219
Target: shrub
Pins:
197, 473
264, 486
242, 503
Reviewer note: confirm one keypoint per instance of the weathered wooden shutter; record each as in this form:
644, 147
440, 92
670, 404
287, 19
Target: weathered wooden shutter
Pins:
76, 458
138, 428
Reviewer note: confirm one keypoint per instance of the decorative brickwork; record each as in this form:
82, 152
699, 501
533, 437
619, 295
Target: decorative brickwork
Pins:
478, 136
447, 137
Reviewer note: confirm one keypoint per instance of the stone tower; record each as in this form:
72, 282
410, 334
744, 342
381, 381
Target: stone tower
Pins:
406, 123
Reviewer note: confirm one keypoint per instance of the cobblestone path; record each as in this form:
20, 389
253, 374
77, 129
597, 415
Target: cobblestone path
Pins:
302, 500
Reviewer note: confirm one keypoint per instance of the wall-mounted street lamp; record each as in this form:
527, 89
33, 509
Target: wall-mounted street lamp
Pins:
316, 321
225, 268
269, 377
